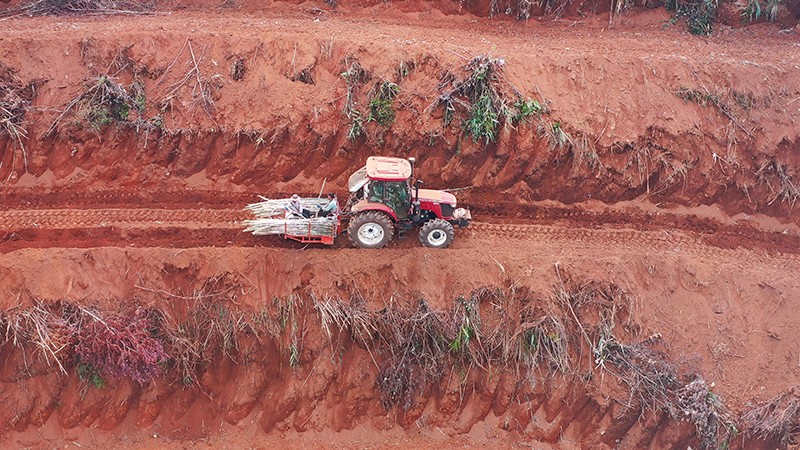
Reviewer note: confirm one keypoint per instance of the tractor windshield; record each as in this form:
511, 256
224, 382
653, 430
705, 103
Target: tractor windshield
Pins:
376, 192
397, 198
357, 180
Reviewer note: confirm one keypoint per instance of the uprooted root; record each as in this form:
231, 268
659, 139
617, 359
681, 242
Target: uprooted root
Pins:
211, 325
42, 327
780, 184
647, 373
695, 403
355, 76
655, 384
413, 343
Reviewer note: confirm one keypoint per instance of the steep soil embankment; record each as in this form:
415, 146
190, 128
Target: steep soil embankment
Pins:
173, 121
288, 379
666, 118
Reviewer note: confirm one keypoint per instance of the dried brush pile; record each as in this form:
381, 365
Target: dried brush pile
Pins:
117, 344
571, 332
778, 419
210, 325
16, 98
80, 7
110, 344
104, 102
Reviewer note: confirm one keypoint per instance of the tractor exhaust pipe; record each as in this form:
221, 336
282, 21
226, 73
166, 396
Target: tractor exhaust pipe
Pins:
416, 205
415, 208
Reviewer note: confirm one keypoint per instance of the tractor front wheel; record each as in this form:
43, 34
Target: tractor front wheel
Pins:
436, 233
370, 229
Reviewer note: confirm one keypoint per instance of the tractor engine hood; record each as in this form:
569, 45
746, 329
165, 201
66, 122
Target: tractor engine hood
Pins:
431, 195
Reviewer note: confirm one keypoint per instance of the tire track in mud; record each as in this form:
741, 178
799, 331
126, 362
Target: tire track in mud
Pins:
661, 241
222, 227
124, 217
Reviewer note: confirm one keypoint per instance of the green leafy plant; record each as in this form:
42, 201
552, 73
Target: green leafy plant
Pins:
700, 14
356, 129
754, 11
354, 76
88, 373
380, 105
483, 120
524, 109
463, 336
482, 100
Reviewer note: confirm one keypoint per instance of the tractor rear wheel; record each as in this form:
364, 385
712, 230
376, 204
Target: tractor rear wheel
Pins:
437, 233
370, 229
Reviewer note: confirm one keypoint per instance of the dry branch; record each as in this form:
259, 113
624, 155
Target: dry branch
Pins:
16, 98
103, 102
778, 419
79, 7
203, 88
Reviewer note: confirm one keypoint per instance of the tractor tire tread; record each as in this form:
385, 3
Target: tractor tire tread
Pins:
371, 216
435, 224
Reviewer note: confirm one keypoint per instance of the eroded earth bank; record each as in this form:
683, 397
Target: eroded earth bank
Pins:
629, 280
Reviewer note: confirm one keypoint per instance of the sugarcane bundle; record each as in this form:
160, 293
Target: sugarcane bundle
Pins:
276, 207
317, 226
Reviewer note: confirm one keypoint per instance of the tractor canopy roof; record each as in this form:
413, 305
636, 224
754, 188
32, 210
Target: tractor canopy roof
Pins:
380, 168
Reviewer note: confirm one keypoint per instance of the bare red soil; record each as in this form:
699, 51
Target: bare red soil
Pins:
677, 187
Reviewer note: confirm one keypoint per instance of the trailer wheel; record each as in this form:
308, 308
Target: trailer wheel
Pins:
370, 229
437, 233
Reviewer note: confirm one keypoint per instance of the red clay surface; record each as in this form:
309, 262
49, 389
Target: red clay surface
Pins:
711, 255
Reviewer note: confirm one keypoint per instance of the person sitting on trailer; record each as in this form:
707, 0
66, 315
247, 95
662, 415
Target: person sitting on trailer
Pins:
331, 208
295, 208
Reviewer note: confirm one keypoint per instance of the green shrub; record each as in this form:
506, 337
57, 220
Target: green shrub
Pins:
380, 106
700, 14
482, 100
525, 108
483, 120
754, 11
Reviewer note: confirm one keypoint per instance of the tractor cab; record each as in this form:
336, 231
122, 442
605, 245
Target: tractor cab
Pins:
382, 197
383, 183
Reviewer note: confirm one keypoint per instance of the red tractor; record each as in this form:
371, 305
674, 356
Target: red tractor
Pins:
382, 197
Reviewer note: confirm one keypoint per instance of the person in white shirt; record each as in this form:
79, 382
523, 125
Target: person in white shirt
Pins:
295, 208
331, 208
